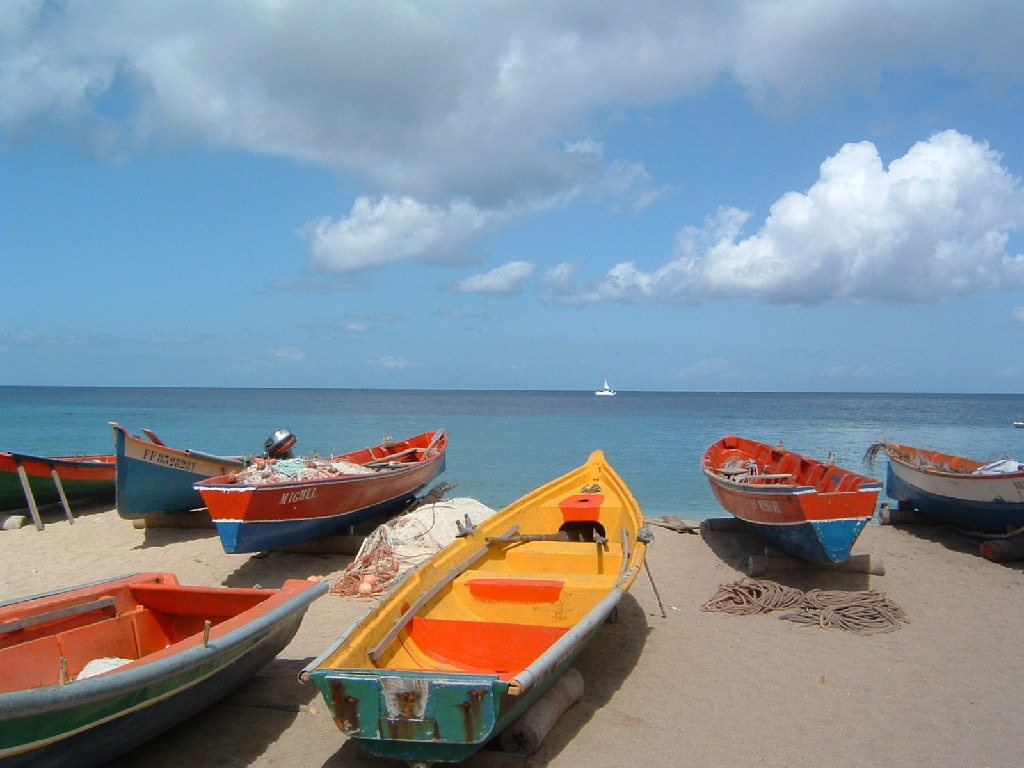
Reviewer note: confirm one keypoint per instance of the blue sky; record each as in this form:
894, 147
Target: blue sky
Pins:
787, 195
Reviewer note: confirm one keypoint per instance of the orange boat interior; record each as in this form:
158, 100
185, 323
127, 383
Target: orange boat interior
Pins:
50, 641
748, 461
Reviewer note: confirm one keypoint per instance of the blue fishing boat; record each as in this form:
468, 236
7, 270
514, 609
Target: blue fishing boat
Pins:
966, 493
153, 477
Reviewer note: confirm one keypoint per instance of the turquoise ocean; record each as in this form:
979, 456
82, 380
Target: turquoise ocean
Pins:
503, 444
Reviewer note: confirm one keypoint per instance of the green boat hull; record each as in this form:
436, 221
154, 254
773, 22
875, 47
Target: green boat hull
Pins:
462, 712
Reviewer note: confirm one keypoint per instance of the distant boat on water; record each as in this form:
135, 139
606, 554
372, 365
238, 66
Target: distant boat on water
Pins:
605, 390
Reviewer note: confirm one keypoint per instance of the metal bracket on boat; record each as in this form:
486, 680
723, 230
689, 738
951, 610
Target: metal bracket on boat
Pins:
464, 528
595, 488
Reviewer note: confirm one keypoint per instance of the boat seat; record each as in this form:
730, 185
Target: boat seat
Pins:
817, 474
110, 637
33, 664
482, 646
515, 590
550, 559
69, 617
530, 587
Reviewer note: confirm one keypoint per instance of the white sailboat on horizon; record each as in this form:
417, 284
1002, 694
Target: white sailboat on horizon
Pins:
605, 390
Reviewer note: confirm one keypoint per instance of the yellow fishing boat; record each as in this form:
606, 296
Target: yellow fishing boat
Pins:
466, 642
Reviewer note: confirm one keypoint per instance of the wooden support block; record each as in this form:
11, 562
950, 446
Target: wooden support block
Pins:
903, 516
758, 565
196, 518
1003, 550
527, 733
723, 525
13, 522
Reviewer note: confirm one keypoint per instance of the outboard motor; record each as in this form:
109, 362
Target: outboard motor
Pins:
279, 445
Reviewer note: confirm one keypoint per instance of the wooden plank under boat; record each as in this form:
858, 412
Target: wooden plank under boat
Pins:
153, 477
805, 507
255, 516
977, 495
467, 641
179, 649
80, 476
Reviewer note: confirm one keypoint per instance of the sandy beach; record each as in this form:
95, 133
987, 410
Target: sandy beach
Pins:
692, 688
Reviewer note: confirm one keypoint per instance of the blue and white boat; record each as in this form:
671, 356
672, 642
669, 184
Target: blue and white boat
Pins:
966, 493
153, 477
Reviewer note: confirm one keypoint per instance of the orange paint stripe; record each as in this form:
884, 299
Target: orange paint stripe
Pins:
516, 590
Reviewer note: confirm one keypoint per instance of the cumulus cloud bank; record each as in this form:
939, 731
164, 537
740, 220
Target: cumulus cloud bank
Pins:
933, 225
456, 116
447, 99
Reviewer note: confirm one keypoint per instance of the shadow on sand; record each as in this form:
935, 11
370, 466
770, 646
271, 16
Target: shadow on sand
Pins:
234, 731
955, 540
734, 548
272, 569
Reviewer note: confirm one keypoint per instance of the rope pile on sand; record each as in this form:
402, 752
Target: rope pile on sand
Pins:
748, 596
865, 613
399, 545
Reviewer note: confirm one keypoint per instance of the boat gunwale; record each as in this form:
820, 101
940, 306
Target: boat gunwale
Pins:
436, 453
176, 658
946, 471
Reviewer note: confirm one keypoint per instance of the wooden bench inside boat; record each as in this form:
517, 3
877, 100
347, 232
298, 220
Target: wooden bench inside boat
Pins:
556, 557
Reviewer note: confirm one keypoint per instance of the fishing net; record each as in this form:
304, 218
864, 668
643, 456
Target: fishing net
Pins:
263, 471
399, 545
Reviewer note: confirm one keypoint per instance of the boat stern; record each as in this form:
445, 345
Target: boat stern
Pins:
410, 716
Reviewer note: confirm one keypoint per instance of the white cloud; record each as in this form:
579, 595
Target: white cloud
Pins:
442, 100
508, 278
934, 225
397, 229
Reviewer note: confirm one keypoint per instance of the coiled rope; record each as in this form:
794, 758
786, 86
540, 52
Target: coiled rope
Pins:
866, 613
748, 596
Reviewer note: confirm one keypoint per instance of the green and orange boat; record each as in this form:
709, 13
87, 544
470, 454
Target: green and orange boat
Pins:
464, 644
89, 672
27, 480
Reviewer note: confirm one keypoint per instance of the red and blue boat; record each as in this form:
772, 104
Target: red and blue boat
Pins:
804, 507
252, 515
153, 477
89, 672
77, 477
966, 493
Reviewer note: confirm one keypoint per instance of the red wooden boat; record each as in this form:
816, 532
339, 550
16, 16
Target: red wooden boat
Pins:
257, 515
89, 672
807, 508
